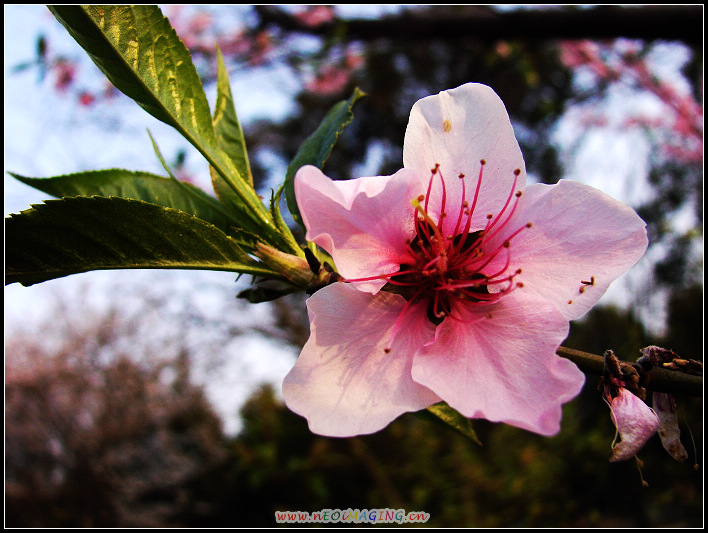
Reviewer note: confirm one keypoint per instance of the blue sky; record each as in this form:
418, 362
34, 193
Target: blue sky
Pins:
48, 134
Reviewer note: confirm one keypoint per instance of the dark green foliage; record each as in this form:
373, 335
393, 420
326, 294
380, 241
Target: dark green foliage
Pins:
516, 479
156, 457
686, 323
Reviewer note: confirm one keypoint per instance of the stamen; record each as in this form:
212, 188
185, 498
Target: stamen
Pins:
462, 208
501, 271
482, 162
517, 172
444, 198
505, 244
433, 171
445, 272
469, 212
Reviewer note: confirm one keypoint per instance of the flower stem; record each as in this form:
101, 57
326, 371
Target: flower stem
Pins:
662, 380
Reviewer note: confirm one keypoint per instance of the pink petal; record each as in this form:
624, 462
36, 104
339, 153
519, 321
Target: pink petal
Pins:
362, 223
456, 129
669, 432
635, 422
578, 234
499, 363
343, 382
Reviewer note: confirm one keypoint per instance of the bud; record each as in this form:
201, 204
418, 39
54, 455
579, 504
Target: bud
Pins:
293, 268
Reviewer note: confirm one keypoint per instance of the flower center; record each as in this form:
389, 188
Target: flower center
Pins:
459, 267
463, 267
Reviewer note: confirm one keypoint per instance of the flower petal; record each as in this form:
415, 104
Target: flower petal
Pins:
669, 432
499, 362
343, 382
362, 223
635, 422
579, 235
456, 129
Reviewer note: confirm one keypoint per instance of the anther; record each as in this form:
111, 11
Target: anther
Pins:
461, 176
518, 194
529, 224
482, 162
517, 172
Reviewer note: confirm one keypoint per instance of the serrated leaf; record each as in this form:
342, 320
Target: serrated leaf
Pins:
232, 142
228, 130
79, 234
316, 149
441, 412
137, 186
280, 223
140, 53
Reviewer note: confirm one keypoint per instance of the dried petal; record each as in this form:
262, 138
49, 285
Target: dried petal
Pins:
669, 432
635, 423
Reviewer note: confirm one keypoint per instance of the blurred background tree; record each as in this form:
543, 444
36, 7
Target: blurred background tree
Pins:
110, 441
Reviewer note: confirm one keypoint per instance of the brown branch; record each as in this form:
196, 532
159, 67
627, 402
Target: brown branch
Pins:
649, 22
661, 380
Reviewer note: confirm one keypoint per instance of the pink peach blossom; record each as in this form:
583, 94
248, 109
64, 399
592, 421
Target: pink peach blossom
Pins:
330, 80
459, 280
314, 16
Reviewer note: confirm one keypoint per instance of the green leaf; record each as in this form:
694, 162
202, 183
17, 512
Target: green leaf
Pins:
280, 223
316, 149
232, 142
228, 130
79, 234
137, 186
140, 53
441, 412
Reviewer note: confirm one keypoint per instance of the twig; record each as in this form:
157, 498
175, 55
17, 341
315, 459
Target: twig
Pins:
661, 380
